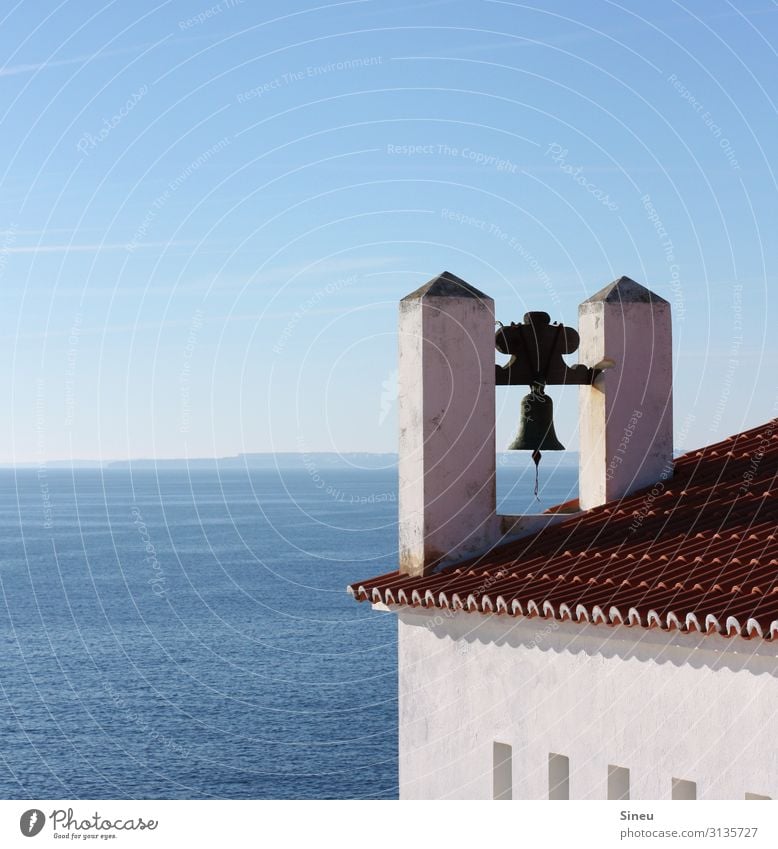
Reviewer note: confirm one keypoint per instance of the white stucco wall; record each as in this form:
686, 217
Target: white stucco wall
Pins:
663, 705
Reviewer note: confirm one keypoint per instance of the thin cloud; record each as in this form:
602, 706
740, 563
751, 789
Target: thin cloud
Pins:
33, 67
53, 249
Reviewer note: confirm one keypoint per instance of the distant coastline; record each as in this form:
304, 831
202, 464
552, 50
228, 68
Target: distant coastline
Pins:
282, 460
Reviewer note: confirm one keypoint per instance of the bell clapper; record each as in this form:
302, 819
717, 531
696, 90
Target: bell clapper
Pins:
536, 455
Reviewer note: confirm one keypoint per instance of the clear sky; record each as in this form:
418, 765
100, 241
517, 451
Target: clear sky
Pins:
209, 212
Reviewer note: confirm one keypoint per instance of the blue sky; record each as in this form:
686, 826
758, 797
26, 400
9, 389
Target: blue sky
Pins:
209, 212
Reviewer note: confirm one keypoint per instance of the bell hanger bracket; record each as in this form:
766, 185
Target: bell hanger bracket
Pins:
535, 348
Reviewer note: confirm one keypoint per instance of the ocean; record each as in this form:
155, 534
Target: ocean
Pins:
183, 634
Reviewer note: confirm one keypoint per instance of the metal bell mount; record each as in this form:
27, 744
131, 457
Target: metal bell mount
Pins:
536, 347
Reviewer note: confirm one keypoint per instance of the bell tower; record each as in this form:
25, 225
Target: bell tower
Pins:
447, 376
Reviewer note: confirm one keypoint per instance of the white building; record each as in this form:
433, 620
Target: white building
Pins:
621, 646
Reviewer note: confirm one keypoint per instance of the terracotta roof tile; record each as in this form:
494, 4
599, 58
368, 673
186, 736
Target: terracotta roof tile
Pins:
698, 552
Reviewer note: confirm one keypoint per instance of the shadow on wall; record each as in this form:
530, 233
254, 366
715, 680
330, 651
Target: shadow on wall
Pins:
600, 641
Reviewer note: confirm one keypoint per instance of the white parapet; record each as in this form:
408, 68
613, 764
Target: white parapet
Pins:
447, 460
626, 417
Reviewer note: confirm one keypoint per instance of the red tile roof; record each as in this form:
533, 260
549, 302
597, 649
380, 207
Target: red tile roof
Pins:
697, 552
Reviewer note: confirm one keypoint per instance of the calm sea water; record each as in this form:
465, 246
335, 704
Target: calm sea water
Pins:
188, 635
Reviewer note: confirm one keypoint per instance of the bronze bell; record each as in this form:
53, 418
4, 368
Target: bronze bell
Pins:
536, 425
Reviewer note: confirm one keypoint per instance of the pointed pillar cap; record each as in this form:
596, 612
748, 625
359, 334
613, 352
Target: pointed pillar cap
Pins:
447, 285
625, 291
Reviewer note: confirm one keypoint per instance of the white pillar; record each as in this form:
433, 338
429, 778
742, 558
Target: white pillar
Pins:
447, 464
626, 417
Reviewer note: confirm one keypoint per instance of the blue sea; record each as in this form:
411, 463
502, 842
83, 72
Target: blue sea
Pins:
187, 634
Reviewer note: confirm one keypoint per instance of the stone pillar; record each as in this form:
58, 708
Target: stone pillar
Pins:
626, 417
447, 463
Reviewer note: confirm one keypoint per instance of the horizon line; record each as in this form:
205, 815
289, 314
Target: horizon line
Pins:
42, 463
